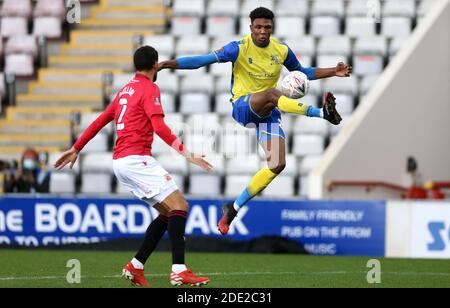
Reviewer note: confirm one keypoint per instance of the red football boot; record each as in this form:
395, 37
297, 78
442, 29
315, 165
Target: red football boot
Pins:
187, 278
136, 276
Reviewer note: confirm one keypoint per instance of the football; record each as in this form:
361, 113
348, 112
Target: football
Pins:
295, 85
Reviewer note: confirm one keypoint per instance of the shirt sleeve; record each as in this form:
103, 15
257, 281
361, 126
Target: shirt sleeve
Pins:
292, 64
166, 134
228, 53
93, 129
152, 103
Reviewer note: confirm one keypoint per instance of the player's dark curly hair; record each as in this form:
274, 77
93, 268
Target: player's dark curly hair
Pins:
261, 12
145, 58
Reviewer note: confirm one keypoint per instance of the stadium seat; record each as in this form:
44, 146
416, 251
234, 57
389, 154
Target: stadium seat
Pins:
237, 144
305, 45
308, 163
53, 8
206, 123
376, 45
221, 69
341, 85
327, 8
244, 26
197, 83
189, 8
223, 106
396, 26
287, 122
97, 162
205, 185
235, 184
405, 8
367, 65
292, 8
168, 82
223, 8
19, 65
159, 147
13, 26
250, 5
359, 27
334, 45
308, 145
185, 25
174, 163
21, 45
220, 25
20, 8
202, 144
423, 8
192, 44
168, 102
248, 164
98, 144
289, 26
47, 26
164, 43
307, 126
304, 186
96, 183
358, 8
191, 103
62, 183
325, 25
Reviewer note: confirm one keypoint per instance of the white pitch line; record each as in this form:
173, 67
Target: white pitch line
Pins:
231, 274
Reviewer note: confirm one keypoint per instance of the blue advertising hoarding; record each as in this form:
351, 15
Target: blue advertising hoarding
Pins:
323, 227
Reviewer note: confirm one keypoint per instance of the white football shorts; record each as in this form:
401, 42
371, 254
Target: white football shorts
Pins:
145, 178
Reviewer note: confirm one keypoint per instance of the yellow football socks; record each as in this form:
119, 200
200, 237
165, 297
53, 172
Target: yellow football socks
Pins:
286, 104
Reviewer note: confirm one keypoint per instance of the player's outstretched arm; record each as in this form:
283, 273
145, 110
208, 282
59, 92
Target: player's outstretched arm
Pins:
189, 63
68, 157
341, 70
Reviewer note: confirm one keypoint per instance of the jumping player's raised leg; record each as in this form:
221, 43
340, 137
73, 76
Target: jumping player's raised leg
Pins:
264, 102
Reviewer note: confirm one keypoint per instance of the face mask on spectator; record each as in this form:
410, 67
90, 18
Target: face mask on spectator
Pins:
29, 164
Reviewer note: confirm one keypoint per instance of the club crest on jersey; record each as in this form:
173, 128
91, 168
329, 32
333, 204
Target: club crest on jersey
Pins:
157, 101
250, 60
127, 90
275, 59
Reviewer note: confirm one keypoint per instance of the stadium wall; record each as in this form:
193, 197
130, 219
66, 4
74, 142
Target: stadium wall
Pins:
405, 114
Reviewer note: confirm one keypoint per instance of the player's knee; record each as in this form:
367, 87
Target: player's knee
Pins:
278, 168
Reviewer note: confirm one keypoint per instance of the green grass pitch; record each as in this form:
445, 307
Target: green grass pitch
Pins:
46, 268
